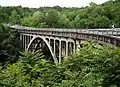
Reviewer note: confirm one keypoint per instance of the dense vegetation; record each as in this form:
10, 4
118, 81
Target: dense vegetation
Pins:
92, 16
9, 45
93, 65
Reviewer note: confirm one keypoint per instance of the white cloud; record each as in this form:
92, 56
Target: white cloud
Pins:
38, 3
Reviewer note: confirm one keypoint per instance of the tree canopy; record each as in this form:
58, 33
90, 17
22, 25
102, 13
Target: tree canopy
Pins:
93, 16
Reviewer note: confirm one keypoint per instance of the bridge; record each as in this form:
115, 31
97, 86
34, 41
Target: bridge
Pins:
58, 43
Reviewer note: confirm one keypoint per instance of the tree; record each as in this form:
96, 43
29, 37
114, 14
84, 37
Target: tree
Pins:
38, 19
63, 21
92, 4
27, 21
51, 18
14, 18
9, 45
117, 0
101, 22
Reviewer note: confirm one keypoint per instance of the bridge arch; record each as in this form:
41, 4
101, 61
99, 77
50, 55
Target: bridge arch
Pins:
47, 44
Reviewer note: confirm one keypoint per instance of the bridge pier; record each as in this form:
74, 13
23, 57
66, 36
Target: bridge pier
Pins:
60, 51
66, 48
54, 48
77, 44
23, 42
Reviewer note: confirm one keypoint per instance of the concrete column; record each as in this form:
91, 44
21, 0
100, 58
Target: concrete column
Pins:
66, 48
21, 40
70, 48
20, 37
63, 48
103, 39
109, 41
25, 41
97, 38
115, 42
74, 49
60, 53
54, 48
77, 45
28, 39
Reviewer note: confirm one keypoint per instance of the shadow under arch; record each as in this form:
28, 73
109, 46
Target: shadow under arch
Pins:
46, 42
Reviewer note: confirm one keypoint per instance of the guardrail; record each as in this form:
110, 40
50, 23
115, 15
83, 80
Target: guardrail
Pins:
111, 31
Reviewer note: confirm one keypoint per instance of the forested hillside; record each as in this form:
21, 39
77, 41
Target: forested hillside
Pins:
92, 65
92, 16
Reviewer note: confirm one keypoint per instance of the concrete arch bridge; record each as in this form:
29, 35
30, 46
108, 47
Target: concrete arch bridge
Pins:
58, 43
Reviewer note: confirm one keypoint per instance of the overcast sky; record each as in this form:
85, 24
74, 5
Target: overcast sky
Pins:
39, 3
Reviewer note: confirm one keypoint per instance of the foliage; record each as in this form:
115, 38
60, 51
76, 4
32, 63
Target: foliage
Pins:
91, 66
93, 16
14, 18
9, 45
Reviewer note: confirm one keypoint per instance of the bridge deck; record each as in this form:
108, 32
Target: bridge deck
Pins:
111, 36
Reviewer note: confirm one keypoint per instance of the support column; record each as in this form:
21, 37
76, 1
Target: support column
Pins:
63, 49
25, 42
20, 37
115, 42
74, 47
28, 39
66, 48
60, 53
103, 39
54, 48
109, 40
21, 40
77, 44
70, 48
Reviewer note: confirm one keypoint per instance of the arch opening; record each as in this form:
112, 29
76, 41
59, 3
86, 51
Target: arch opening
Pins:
42, 45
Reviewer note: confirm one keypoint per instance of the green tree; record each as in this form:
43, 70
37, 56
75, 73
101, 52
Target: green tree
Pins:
9, 45
101, 22
14, 18
38, 19
92, 4
51, 18
63, 21
28, 21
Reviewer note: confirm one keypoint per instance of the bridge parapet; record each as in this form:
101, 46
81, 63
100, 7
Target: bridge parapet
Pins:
111, 31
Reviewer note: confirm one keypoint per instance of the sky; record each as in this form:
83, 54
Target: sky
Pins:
41, 3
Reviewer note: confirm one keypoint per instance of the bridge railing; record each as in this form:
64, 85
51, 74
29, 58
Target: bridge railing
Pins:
115, 31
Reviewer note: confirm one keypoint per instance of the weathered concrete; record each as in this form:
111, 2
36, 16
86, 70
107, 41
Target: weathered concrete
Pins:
62, 42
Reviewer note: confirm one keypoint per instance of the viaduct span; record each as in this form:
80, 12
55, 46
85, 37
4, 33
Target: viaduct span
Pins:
61, 42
